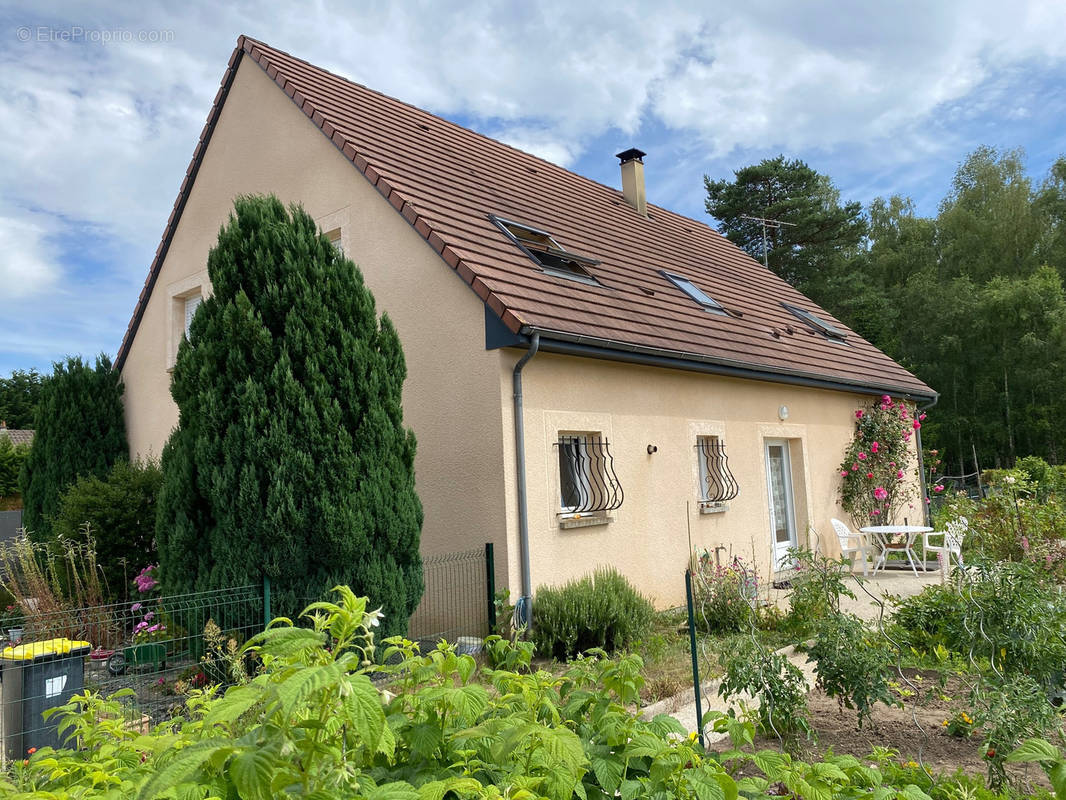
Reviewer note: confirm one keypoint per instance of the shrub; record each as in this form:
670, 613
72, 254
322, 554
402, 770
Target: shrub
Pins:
875, 473
1009, 615
850, 665
80, 431
777, 684
119, 510
12, 458
290, 459
600, 610
1007, 711
725, 597
817, 585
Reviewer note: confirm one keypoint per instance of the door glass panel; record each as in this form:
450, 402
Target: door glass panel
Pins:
779, 498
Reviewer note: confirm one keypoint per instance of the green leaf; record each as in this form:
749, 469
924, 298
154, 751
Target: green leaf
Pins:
397, 790
435, 790
912, 792
704, 785
644, 744
664, 724
608, 772
251, 772
630, 789
772, 764
181, 768
1034, 750
235, 703
1057, 776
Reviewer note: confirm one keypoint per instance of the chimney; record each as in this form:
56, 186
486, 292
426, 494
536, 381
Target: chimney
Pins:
633, 179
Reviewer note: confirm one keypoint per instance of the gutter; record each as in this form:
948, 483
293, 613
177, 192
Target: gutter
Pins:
524, 605
595, 347
921, 465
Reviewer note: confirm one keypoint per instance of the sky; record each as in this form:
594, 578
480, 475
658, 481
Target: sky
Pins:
101, 105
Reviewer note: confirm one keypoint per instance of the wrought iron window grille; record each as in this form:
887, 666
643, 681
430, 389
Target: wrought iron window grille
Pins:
588, 483
717, 484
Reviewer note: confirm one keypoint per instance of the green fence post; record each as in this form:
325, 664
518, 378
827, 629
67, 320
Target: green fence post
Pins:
266, 601
490, 582
695, 660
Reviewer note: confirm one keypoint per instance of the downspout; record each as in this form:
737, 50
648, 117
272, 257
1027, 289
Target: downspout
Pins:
524, 606
921, 464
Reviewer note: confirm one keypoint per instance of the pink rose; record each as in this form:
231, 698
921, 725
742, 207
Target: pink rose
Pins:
922, 417
938, 488
843, 473
874, 446
917, 424
869, 474
875, 512
862, 456
854, 467
899, 475
880, 493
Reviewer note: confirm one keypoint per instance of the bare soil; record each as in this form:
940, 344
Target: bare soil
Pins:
915, 731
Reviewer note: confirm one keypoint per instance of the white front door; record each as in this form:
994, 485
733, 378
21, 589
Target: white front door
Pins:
779, 491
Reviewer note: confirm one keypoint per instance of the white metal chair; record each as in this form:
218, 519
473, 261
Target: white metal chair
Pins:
951, 545
851, 543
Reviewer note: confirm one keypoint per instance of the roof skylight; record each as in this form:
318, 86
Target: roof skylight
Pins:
695, 292
817, 324
542, 248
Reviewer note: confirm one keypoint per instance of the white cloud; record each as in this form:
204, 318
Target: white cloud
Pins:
27, 261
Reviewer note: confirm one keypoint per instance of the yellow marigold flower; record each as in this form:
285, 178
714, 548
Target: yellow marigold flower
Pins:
944, 724
912, 764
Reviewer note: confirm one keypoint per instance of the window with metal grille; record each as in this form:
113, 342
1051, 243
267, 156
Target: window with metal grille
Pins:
717, 483
587, 480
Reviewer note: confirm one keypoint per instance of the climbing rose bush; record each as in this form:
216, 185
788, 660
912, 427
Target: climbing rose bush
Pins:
874, 474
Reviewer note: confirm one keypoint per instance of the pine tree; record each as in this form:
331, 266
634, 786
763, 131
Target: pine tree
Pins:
290, 460
80, 431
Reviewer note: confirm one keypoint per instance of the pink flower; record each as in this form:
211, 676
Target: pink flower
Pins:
927, 501
153, 628
869, 474
899, 475
875, 512
858, 414
938, 488
886, 399
854, 467
891, 463
135, 607
922, 417
917, 424
880, 493
874, 446
843, 473
862, 456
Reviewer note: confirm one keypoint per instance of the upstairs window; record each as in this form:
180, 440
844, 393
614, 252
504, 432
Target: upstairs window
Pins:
191, 304
817, 324
542, 248
587, 481
695, 292
717, 484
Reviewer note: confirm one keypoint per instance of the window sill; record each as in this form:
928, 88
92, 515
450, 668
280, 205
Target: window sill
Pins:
583, 521
710, 507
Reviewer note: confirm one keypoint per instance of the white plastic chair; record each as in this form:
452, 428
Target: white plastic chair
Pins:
952, 544
851, 543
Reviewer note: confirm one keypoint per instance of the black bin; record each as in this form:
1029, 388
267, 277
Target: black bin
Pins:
35, 677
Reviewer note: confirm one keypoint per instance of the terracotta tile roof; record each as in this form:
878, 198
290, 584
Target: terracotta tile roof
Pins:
446, 181
17, 437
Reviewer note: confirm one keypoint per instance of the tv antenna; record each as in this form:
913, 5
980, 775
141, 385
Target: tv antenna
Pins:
767, 223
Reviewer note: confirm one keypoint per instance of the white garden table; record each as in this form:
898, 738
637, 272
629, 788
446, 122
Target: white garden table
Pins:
883, 535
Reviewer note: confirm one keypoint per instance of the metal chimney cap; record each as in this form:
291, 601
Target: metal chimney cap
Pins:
632, 154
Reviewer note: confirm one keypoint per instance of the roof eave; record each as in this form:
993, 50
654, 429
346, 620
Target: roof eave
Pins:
566, 343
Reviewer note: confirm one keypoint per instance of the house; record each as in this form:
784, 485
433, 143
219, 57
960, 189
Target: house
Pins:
671, 393
16, 436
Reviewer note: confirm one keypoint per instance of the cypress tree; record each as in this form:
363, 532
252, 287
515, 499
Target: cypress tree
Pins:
290, 460
80, 432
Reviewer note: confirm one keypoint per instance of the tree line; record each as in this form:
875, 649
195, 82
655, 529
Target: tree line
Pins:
971, 300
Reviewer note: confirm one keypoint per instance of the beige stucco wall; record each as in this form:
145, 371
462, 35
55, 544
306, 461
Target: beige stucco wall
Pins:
262, 144
648, 537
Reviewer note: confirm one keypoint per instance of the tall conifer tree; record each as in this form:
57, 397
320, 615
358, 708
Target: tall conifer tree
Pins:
80, 432
290, 460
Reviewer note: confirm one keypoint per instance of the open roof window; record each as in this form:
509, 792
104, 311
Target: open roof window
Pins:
542, 248
817, 324
695, 292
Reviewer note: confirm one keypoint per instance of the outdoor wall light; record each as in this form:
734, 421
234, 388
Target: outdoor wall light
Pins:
652, 449
782, 413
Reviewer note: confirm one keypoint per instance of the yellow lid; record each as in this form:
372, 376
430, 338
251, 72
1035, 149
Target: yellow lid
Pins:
28, 652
